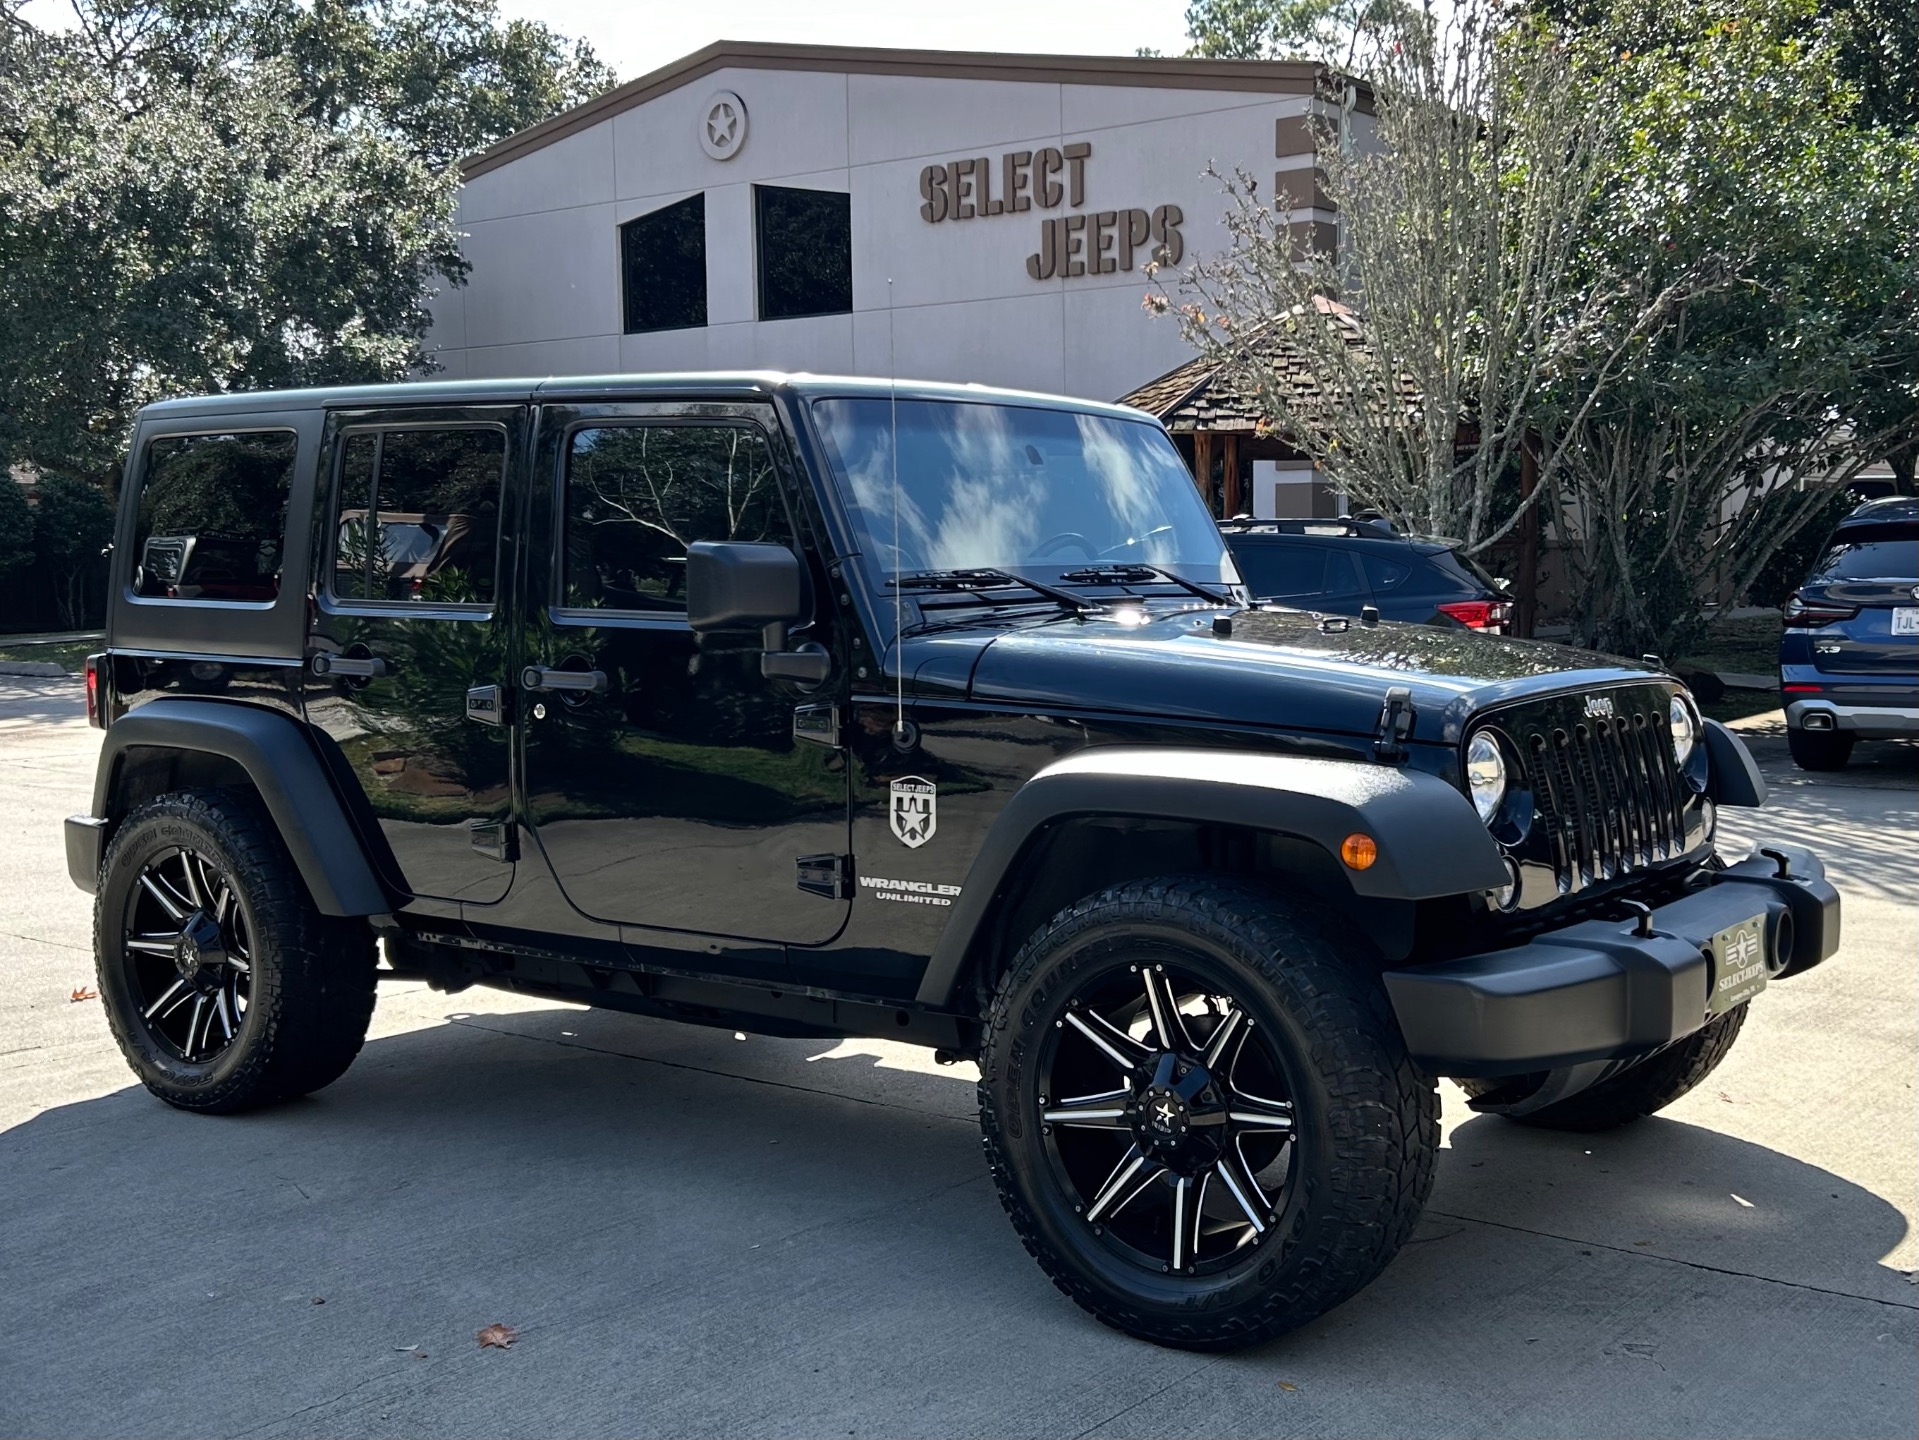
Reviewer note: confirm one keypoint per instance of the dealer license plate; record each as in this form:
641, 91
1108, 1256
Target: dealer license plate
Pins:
1905, 620
1738, 965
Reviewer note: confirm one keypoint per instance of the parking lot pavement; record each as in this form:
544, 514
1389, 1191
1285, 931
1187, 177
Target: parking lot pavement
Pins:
694, 1234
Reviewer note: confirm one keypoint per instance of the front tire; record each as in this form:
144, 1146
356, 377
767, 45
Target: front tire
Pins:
1646, 1088
1819, 749
1200, 1114
225, 988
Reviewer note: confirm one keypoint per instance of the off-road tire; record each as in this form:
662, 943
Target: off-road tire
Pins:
312, 975
1368, 1120
1819, 749
1646, 1088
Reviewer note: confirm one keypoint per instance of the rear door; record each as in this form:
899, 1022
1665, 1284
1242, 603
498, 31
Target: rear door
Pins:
407, 650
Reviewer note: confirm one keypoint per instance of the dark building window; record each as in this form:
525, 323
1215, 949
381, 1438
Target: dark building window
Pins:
806, 252
663, 267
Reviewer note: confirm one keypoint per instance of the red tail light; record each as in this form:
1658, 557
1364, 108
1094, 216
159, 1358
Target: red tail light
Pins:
1813, 613
96, 711
1491, 615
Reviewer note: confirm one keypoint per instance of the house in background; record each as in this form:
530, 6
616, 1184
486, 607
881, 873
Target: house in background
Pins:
936, 215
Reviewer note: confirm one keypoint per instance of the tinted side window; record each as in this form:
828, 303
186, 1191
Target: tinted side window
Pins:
637, 496
212, 517
418, 515
1293, 571
1384, 574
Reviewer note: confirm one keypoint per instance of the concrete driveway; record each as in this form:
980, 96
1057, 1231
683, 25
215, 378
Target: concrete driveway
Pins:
694, 1234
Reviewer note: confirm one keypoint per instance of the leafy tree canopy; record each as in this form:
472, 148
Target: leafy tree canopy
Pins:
201, 196
1333, 32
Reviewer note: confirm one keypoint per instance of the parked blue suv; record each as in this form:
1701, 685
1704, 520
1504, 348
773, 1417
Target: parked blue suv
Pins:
1849, 658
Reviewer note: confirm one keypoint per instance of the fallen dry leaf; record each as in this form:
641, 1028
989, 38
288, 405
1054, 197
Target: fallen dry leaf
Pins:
83, 993
1287, 1385
500, 1336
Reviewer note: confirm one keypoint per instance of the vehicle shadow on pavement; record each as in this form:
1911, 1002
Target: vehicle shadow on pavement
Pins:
698, 1235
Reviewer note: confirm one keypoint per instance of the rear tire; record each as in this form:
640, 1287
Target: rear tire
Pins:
1819, 749
224, 986
1648, 1087
1241, 1225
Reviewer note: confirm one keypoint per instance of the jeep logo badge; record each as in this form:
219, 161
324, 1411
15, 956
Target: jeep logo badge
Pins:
915, 810
1599, 705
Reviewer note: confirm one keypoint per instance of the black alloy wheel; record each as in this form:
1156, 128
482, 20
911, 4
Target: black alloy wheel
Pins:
187, 946
224, 985
1166, 1116
1199, 1110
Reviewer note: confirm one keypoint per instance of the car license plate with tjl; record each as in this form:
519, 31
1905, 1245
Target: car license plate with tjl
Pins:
1905, 620
1738, 965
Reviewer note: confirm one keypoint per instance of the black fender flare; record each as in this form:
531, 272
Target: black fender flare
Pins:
1430, 840
1732, 775
274, 751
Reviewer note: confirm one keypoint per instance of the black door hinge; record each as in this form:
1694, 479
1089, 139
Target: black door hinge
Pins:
1395, 724
495, 839
486, 704
829, 876
817, 725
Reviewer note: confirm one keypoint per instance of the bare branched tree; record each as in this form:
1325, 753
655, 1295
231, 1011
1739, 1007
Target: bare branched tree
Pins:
1455, 297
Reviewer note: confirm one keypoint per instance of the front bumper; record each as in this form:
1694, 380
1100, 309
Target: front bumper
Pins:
1869, 721
1605, 990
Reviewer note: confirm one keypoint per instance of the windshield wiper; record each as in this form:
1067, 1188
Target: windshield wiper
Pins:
1134, 573
984, 579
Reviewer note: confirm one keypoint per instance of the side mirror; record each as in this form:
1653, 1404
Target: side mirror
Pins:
747, 585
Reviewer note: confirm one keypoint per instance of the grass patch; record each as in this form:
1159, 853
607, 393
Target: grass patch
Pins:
1738, 704
1746, 646
71, 655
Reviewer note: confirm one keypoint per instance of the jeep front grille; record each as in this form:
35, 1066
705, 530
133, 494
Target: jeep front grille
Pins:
1606, 790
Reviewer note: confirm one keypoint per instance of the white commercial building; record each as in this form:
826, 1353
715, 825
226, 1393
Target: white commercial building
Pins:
969, 217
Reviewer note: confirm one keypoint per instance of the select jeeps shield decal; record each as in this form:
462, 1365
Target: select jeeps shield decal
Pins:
915, 810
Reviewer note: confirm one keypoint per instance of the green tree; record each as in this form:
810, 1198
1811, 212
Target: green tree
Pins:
200, 197
16, 526
72, 527
1333, 32
1744, 150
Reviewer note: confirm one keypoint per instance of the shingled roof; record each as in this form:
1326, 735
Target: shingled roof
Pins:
1204, 394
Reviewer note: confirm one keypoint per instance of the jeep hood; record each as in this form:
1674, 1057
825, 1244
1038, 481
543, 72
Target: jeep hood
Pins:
1286, 669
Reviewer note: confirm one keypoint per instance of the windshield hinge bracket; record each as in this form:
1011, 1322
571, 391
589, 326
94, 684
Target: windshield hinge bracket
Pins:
1395, 724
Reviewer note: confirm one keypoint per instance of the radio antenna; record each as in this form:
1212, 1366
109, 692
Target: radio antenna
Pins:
900, 733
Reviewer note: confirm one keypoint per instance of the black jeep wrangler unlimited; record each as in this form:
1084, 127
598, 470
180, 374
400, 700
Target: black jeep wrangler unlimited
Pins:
824, 707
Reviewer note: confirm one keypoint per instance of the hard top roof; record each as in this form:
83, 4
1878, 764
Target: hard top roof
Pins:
691, 385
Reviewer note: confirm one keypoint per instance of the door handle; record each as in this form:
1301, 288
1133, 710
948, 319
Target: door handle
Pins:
369, 667
580, 682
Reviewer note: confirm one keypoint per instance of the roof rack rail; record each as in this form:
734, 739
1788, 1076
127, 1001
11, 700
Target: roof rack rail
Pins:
1369, 529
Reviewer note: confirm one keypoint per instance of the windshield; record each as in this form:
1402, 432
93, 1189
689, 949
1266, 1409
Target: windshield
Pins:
1038, 492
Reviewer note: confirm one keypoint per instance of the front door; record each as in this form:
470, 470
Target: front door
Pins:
662, 773
408, 636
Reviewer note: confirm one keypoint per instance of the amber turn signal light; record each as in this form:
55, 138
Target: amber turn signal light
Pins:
1358, 851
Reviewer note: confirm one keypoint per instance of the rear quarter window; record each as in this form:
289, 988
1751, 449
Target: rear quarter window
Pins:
211, 519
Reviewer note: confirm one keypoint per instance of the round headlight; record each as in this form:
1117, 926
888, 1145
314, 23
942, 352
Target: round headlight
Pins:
1485, 775
1685, 729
